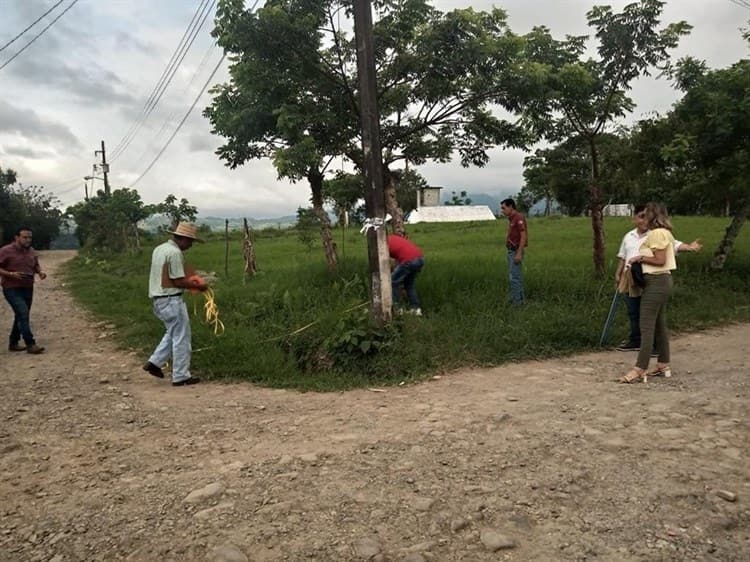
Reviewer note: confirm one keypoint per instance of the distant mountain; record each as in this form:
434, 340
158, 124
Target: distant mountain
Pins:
476, 199
153, 223
217, 223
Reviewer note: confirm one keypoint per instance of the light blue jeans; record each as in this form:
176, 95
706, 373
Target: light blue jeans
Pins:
515, 278
176, 341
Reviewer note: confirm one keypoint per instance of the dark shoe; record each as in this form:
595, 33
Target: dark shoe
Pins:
628, 346
34, 349
152, 369
16, 347
191, 380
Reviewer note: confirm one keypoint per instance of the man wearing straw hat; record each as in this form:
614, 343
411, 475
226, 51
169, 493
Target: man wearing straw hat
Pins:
167, 282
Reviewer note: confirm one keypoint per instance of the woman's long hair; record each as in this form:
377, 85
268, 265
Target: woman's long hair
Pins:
657, 217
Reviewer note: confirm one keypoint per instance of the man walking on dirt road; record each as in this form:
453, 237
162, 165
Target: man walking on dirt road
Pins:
167, 282
18, 265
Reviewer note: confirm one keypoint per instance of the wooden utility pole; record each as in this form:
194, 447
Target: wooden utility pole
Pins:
105, 168
377, 246
248, 251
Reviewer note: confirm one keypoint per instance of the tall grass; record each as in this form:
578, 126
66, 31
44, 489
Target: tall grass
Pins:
463, 288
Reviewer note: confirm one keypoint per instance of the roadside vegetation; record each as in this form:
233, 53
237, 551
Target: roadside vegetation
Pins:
295, 325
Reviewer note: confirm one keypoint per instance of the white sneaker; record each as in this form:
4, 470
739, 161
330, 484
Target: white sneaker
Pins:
415, 311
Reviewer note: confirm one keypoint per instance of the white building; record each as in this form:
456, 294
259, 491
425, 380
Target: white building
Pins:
618, 210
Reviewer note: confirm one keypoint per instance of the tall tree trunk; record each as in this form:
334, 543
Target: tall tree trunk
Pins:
597, 217
726, 244
391, 202
329, 246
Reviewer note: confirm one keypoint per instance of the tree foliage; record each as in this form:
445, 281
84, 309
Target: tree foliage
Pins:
175, 211
27, 206
459, 199
293, 92
109, 223
565, 94
560, 174
343, 192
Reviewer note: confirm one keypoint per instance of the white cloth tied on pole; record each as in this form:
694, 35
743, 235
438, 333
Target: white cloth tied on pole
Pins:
374, 223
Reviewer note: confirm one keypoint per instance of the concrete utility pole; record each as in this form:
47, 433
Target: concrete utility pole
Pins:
105, 168
377, 246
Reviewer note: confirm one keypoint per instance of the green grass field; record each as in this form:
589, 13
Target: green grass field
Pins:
463, 288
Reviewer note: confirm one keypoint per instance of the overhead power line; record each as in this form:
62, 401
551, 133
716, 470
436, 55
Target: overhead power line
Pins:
36, 21
169, 121
50, 24
201, 14
179, 126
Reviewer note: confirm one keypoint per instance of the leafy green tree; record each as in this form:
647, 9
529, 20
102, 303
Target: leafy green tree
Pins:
176, 211
712, 121
109, 223
565, 94
306, 227
458, 200
293, 95
27, 206
409, 184
561, 173
343, 191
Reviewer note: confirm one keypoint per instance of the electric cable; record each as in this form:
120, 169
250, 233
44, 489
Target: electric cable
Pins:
163, 76
169, 121
182, 122
165, 83
37, 36
36, 21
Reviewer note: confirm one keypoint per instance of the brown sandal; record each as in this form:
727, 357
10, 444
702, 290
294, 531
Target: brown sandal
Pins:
661, 371
633, 375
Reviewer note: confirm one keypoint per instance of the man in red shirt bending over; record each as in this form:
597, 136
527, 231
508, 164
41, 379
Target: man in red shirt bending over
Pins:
409, 262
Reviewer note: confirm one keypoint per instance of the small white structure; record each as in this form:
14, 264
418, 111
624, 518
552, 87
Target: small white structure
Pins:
618, 210
451, 213
429, 196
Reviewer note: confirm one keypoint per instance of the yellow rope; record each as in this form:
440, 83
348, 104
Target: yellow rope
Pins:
212, 312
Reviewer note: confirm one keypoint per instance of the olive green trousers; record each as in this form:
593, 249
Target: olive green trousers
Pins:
654, 319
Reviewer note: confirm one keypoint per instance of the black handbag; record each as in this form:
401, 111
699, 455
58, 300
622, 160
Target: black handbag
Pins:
636, 271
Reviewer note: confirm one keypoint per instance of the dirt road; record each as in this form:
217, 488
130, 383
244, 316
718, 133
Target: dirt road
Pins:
537, 461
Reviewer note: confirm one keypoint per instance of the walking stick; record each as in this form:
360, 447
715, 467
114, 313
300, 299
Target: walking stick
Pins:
610, 319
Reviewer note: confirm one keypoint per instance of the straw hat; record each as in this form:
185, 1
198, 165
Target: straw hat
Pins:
186, 230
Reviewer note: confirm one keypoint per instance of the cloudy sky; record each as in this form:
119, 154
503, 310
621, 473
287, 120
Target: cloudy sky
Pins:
89, 78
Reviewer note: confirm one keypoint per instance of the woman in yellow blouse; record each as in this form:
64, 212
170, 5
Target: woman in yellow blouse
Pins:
657, 255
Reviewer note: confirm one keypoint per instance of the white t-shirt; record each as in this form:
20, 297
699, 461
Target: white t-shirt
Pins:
168, 254
631, 245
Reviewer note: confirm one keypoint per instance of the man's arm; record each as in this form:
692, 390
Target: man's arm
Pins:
620, 269
185, 283
694, 246
38, 269
521, 246
11, 274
